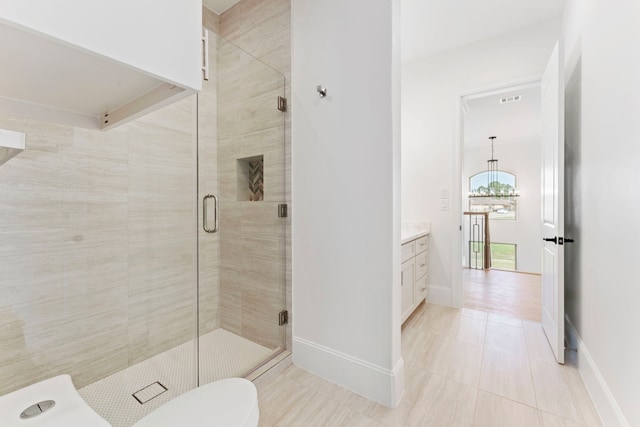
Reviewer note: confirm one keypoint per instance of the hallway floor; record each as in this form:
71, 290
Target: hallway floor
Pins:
508, 293
463, 368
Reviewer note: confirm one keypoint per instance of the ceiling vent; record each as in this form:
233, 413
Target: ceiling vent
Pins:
508, 99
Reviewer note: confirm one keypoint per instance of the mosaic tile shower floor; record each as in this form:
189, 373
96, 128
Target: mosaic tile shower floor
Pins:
223, 354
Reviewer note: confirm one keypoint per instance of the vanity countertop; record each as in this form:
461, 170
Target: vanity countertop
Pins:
412, 230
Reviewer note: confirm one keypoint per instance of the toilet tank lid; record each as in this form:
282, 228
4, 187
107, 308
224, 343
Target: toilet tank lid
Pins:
69, 408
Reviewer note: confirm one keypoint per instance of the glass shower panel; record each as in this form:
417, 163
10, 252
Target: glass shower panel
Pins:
97, 255
160, 309
241, 179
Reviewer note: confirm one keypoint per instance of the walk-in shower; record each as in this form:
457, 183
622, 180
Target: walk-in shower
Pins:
149, 259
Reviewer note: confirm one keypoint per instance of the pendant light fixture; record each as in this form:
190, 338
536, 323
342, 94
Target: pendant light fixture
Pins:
495, 189
493, 184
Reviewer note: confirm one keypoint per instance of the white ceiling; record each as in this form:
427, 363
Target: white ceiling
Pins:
510, 122
434, 26
219, 6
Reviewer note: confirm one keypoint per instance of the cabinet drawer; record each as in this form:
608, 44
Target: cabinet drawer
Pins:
422, 244
420, 291
422, 264
408, 251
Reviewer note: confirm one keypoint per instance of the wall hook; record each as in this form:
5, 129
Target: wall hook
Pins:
322, 91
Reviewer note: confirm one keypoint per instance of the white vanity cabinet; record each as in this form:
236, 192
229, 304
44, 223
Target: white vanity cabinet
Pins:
415, 262
96, 64
408, 279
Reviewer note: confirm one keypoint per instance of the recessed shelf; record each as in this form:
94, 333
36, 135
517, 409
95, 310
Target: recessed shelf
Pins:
250, 174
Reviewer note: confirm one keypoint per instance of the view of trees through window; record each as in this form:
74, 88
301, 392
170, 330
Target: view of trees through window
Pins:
498, 197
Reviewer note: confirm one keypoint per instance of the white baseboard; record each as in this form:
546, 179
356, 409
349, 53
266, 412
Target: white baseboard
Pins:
381, 385
439, 295
605, 403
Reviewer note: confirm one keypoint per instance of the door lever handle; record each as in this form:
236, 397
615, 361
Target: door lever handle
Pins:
568, 240
554, 240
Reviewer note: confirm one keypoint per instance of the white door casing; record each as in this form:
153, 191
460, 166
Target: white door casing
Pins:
552, 134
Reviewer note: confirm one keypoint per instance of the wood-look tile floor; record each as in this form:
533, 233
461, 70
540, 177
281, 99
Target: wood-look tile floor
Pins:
463, 368
507, 293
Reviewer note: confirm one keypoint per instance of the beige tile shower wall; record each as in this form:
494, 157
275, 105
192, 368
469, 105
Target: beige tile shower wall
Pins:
263, 29
210, 20
95, 247
252, 245
161, 224
63, 255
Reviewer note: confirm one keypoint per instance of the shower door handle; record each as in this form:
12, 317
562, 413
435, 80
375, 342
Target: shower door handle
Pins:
204, 213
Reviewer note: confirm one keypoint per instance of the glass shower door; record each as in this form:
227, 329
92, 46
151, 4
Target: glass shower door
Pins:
241, 237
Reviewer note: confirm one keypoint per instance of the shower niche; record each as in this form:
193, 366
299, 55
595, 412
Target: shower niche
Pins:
250, 179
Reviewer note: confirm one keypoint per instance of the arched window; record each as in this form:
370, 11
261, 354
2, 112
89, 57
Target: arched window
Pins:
496, 194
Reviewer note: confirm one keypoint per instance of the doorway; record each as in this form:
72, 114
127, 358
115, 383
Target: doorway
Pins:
501, 201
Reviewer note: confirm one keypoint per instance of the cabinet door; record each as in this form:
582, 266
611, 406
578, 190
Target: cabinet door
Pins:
167, 46
98, 64
407, 283
420, 291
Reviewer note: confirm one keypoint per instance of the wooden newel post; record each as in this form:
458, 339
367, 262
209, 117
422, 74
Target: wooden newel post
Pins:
487, 243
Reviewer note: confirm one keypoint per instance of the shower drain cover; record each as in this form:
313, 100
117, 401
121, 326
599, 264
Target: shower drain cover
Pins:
149, 392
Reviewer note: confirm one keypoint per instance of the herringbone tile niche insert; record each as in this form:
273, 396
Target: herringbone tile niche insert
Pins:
256, 180
251, 179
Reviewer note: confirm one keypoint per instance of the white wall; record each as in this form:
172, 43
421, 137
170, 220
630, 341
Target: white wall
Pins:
521, 158
602, 39
345, 175
430, 92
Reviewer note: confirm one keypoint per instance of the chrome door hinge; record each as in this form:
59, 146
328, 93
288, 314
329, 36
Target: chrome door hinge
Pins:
205, 54
283, 210
283, 317
282, 104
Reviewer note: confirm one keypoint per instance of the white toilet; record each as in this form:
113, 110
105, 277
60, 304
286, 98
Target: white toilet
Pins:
51, 403
232, 402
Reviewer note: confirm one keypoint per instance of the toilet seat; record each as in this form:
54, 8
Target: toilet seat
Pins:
231, 402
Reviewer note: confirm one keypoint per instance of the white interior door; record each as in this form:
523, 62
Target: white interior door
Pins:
553, 203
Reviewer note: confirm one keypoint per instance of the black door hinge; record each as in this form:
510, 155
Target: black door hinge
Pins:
282, 104
283, 317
